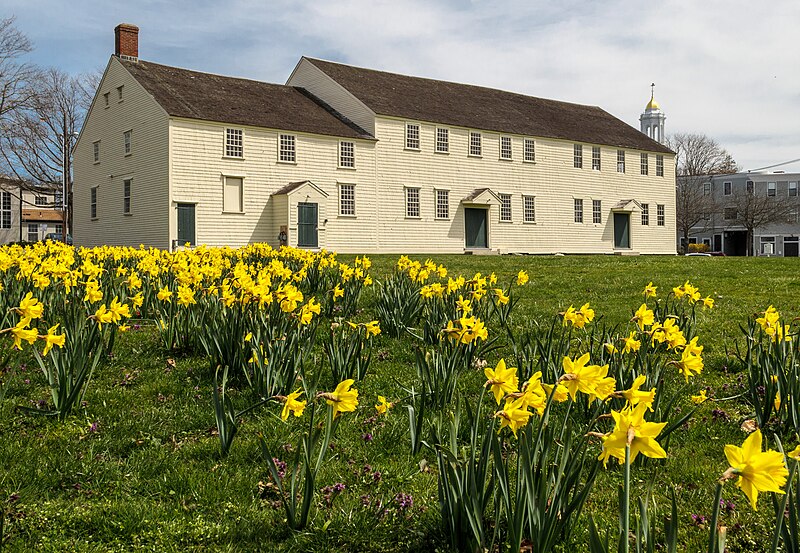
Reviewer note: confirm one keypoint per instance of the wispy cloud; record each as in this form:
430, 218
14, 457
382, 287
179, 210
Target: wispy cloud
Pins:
725, 68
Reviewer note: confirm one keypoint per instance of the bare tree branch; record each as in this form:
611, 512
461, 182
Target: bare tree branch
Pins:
14, 74
755, 209
697, 154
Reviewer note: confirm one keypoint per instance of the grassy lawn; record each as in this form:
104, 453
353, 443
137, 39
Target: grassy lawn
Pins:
138, 465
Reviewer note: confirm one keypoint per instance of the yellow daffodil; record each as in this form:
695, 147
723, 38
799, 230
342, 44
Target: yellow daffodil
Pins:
579, 317
690, 364
501, 297
756, 471
103, 315
631, 429
699, 398
383, 406
635, 396
650, 290
30, 307
643, 317
343, 398
164, 294
52, 339
522, 278
580, 377
292, 405
21, 332
501, 380
514, 415
631, 343
708, 302
794, 454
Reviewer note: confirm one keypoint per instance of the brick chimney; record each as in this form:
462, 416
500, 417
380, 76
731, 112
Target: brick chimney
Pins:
126, 41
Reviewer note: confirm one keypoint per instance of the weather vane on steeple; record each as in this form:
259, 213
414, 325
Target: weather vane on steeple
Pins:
652, 90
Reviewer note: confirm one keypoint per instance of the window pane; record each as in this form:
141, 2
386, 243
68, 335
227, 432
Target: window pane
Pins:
505, 147
578, 211
234, 143
597, 211
474, 143
347, 199
577, 156
412, 202
442, 204
286, 150
412, 136
645, 214
505, 207
595, 158
530, 150
529, 208
347, 154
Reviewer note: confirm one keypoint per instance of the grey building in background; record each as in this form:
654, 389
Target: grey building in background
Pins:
722, 228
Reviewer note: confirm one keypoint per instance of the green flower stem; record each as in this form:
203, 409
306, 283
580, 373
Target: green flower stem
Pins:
776, 538
712, 539
626, 505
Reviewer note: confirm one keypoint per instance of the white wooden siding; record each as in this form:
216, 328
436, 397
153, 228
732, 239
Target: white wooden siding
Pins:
147, 167
308, 76
197, 169
552, 180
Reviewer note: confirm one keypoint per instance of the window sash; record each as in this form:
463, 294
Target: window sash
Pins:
475, 143
442, 204
96, 151
347, 199
645, 165
505, 207
412, 202
6, 210
772, 189
529, 150
645, 214
286, 150
595, 158
792, 189
660, 215
577, 156
620, 161
412, 136
505, 147
727, 188
442, 140
126, 196
578, 210
347, 154
33, 232
529, 209
659, 166
126, 137
234, 143
93, 203
597, 212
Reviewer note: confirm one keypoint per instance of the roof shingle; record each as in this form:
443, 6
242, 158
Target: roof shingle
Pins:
484, 108
196, 95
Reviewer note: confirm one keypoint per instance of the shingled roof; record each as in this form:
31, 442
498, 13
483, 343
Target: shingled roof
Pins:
196, 95
489, 109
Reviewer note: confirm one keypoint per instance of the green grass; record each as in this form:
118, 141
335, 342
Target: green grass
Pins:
150, 477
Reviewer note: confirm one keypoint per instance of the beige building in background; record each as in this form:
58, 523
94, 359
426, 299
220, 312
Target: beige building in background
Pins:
357, 160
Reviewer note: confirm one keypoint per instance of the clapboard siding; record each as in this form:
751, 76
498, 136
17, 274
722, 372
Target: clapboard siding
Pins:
552, 180
307, 75
147, 167
197, 169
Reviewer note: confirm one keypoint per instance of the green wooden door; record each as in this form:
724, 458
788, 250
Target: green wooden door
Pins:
307, 236
622, 230
186, 224
475, 227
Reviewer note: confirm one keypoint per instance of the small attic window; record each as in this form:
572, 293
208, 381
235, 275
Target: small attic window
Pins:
119, 92
106, 98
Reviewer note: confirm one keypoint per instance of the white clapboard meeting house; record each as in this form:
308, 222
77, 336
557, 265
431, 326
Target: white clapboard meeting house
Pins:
358, 160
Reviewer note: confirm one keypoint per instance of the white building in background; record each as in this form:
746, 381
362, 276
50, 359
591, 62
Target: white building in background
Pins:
358, 160
33, 218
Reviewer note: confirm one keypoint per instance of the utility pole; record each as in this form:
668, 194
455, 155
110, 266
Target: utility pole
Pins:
65, 179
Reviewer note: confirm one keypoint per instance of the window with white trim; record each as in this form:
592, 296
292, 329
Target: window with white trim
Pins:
347, 154
287, 152
577, 156
126, 140
33, 232
660, 215
347, 199
6, 210
233, 195
727, 188
578, 210
412, 202
412, 136
529, 150
40, 200
126, 196
93, 202
505, 147
529, 209
659, 165
597, 211
442, 204
96, 151
792, 189
595, 158
645, 165
620, 161
474, 143
771, 189
767, 245
442, 140
505, 207
234, 143
645, 215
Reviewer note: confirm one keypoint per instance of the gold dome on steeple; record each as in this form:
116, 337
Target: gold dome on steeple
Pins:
652, 104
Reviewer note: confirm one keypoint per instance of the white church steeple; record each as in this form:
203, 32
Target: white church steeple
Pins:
652, 120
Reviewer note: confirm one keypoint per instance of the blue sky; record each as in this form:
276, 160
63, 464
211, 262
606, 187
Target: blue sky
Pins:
729, 69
